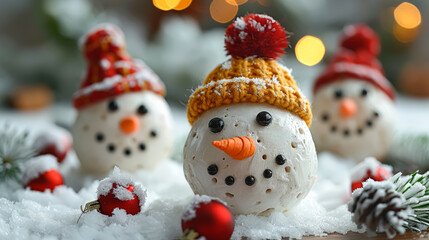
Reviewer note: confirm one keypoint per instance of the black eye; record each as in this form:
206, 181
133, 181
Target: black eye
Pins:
212, 169
263, 118
113, 106
364, 92
325, 117
142, 110
338, 94
216, 125
280, 159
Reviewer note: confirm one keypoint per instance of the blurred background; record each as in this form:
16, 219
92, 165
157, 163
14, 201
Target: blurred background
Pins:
182, 40
41, 65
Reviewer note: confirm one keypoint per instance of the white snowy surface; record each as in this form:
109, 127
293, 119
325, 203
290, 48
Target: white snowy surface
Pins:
26, 214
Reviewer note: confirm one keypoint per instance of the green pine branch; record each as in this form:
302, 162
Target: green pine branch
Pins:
415, 189
15, 149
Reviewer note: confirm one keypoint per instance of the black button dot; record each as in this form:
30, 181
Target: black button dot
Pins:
333, 128
360, 131
268, 173
113, 106
364, 92
338, 94
153, 133
229, 180
142, 146
127, 152
99, 137
369, 123
280, 159
142, 110
325, 117
216, 125
212, 169
250, 180
376, 114
111, 147
264, 118
346, 132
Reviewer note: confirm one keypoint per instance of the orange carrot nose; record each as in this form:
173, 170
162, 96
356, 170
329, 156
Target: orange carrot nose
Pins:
238, 148
348, 108
129, 124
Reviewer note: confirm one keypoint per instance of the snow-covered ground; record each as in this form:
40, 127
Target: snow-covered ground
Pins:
26, 214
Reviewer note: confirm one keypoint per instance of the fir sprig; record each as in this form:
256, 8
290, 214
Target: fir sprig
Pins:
15, 149
415, 189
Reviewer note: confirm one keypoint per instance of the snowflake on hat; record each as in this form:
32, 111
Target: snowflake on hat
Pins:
353, 101
123, 119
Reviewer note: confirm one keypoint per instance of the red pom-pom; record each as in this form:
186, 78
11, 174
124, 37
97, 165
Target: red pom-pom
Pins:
105, 39
208, 218
110, 202
255, 35
360, 38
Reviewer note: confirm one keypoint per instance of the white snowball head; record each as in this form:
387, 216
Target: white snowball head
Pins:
132, 131
364, 131
276, 177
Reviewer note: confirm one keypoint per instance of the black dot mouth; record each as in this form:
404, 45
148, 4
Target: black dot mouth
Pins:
368, 123
127, 152
111, 147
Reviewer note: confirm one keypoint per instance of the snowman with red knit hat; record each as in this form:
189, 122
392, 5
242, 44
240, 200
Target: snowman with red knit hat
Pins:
123, 119
250, 144
353, 103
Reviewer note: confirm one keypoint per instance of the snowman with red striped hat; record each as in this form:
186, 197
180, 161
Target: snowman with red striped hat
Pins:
353, 103
123, 119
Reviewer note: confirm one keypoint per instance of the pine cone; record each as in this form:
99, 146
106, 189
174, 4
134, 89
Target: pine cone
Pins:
378, 206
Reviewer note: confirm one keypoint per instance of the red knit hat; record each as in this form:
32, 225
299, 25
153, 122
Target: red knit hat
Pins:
357, 59
111, 71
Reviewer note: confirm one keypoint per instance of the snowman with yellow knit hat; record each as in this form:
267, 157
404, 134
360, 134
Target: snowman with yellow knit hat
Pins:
250, 144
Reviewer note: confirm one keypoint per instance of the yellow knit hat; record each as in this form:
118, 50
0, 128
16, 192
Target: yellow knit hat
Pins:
252, 75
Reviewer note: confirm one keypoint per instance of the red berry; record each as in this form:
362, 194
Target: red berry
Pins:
255, 35
211, 220
53, 144
380, 175
48, 180
52, 149
110, 202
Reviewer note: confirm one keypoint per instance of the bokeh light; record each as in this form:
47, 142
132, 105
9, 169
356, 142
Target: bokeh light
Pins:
236, 2
223, 12
405, 35
165, 5
407, 15
309, 50
183, 5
